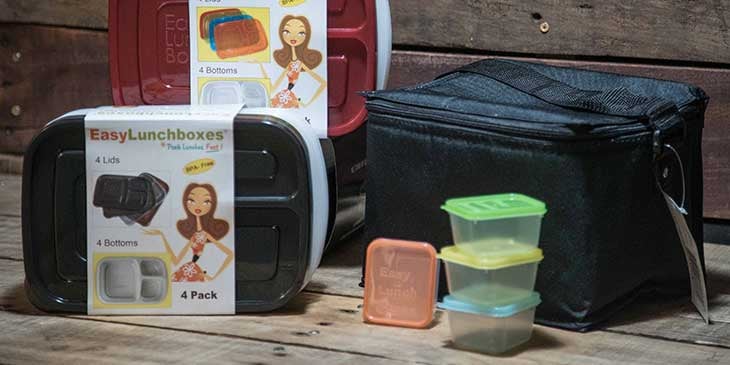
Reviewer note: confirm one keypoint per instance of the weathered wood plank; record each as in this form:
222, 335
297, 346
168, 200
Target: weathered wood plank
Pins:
10, 190
11, 164
47, 72
10, 238
14, 139
333, 323
656, 29
30, 336
44, 339
413, 67
69, 13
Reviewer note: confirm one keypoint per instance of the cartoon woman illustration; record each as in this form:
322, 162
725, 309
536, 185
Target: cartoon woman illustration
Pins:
200, 228
296, 58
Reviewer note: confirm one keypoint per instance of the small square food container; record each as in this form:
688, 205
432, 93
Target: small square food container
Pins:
491, 329
401, 282
481, 221
500, 275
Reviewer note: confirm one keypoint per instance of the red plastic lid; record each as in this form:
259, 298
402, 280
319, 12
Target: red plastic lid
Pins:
149, 53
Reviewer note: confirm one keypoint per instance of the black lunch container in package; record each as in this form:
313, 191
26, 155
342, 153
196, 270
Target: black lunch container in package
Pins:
285, 210
595, 147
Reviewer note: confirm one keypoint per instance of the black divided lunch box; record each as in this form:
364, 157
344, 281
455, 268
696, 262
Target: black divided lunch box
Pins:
285, 211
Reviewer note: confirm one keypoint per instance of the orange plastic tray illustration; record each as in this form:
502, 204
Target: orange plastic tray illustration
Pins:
240, 38
208, 16
401, 278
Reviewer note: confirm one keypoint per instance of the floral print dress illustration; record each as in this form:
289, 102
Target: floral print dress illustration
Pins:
286, 98
191, 272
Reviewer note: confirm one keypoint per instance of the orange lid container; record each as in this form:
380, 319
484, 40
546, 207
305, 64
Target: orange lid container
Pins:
401, 279
240, 38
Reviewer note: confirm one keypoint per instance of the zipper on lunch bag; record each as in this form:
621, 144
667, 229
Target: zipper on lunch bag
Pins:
411, 112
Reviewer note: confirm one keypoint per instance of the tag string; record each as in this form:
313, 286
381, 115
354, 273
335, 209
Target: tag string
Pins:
684, 187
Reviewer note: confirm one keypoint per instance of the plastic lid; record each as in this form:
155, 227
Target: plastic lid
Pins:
401, 280
452, 304
500, 256
499, 206
210, 15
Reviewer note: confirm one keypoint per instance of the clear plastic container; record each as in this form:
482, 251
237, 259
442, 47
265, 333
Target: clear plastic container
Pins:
497, 277
222, 92
480, 222
491, 330
252, 94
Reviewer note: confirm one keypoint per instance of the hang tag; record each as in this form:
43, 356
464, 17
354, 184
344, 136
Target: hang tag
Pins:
694, 264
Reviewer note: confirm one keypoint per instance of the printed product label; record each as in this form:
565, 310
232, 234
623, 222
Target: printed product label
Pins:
694, 263
261, 53
160, 210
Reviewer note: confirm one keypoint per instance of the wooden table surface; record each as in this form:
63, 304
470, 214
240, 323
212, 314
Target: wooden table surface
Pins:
324, 325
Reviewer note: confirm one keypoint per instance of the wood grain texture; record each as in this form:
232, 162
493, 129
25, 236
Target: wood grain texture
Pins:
58, 70
10, 191
325, 323
410, 68
52, 340
69, 13
29, 336
655, 29
10, 164
11, 247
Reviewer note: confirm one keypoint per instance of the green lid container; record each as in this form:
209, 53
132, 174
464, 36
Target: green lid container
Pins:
488, 207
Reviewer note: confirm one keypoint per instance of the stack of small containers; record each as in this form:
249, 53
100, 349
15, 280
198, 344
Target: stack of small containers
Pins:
491, 270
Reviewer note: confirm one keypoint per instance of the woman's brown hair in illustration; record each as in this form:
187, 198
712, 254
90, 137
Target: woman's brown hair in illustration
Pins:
200, 228
295, 57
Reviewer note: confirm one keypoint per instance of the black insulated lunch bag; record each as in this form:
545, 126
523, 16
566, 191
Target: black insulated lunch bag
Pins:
595, 147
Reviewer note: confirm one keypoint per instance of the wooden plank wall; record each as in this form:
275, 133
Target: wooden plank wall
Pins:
55, 59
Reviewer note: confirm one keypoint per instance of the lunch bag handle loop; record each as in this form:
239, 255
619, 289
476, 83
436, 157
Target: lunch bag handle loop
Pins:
619, 101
